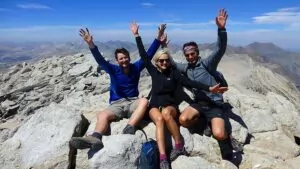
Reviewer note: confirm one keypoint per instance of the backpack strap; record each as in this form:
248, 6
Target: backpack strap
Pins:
206, 68
139, 128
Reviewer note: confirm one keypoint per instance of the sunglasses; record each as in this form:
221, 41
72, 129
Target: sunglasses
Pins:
163, 60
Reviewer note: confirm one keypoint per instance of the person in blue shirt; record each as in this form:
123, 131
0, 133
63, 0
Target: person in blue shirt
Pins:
124, 101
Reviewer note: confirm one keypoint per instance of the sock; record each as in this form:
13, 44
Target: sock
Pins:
179, 146
97, 135
162, 157
226, 148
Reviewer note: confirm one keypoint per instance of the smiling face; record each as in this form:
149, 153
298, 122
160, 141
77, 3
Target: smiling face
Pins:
123, 60
191, 52
122, 57
163, 62
191, 56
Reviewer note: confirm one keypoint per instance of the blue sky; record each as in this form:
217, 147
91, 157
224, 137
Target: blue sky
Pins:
59, 20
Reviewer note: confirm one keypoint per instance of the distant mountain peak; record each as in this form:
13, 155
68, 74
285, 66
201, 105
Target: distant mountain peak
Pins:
264, 45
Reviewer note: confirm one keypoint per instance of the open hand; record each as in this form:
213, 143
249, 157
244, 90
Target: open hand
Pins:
161, 30
164, 40
134, 28
86, 35
221, 18
218, 89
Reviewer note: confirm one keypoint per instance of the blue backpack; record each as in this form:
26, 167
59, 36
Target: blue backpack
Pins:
149, 158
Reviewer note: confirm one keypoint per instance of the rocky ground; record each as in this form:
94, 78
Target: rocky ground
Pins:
46, 103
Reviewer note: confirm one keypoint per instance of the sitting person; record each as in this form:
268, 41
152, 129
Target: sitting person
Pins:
124, 101
163, 107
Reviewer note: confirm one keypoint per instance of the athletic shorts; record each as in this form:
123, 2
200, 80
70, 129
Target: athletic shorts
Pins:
210, 111
123, 108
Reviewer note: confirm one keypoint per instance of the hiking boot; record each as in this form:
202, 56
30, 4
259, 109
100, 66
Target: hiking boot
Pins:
236, 145
94, 149
176, 153
85, 142
129, 129
164, 164
226, 149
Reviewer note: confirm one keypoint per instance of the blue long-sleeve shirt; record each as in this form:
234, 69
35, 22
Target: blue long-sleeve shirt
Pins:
124, 85
199, 73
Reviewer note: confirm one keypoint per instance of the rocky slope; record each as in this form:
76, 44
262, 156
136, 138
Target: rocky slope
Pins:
44, 104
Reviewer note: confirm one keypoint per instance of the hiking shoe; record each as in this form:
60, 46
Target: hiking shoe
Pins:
129, 129
226, 149
164, 164
94, 149
85, 142
227, 156
236, 145
176, 153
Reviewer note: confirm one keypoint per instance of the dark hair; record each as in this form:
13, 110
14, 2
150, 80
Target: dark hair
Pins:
121, 50
191, 43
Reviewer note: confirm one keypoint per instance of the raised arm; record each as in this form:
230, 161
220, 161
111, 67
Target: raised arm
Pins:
154, 46
185, 81
105, 65
213, 60
179, 66
142, 51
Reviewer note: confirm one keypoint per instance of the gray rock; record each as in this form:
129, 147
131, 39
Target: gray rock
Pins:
260, 161
206, 148
183, 162
275, 144
294, 162
259, 120
80, 69
119, 152
42, 140
284, 112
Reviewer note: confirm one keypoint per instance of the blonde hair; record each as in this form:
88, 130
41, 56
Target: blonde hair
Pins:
158, 55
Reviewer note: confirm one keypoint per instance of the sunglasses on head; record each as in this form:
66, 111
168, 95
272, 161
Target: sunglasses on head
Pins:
163, 60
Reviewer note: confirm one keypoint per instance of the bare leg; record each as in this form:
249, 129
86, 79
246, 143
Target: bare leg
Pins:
169, 113
218, 128
103, 120
139, 112
189, 116
157, 118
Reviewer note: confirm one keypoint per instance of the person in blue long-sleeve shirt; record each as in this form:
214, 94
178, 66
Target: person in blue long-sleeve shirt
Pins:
124, 101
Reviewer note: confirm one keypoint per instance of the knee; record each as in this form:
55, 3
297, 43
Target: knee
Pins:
183, 120
166, 115
102, 116
219, 134
159, 121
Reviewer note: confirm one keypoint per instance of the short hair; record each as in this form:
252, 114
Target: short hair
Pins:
121, 50
191, 43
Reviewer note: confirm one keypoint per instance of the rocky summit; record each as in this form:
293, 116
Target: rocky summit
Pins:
44, 104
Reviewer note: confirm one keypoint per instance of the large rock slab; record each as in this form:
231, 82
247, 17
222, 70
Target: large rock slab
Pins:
261, 161
42, 140
275, 144
119, 152
184, 162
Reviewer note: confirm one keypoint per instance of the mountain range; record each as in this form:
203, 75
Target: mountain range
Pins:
280, 60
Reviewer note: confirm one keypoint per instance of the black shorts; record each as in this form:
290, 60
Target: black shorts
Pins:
210, 111
147, 116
